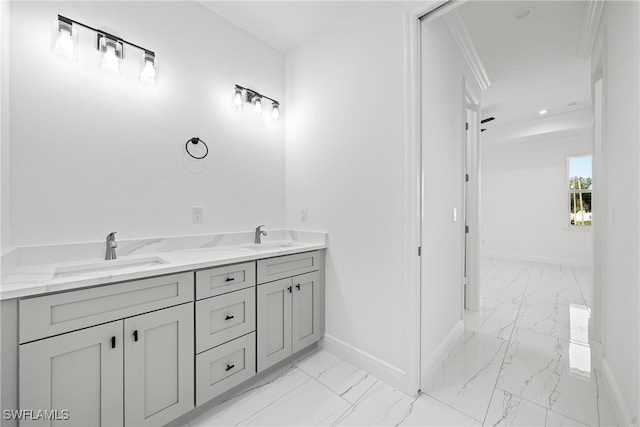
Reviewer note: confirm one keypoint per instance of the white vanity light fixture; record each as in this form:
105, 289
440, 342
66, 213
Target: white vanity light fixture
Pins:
148, 68
275, 112
237, 97
112, 53
256, 99
64, 40
257, 104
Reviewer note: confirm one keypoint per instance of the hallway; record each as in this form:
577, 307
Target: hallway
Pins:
525, 359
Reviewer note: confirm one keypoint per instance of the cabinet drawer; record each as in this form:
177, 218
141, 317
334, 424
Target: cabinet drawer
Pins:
49, 315
286, 266
220, 280
225, 317
224, 367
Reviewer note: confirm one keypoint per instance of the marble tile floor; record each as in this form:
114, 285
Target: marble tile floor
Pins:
524, 360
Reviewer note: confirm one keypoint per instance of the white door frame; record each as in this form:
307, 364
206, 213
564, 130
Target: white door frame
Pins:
472, 206
413, 191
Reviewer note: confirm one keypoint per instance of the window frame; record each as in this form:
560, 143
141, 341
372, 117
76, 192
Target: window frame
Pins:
569, 192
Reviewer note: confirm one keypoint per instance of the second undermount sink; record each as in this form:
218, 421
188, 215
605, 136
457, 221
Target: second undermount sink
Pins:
108, 266
270, 245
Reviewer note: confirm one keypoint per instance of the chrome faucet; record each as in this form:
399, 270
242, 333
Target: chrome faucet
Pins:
259, 234
111, 246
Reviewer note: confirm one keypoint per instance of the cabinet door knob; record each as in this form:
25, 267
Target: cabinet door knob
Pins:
229, 279
228, 317
230, 367
113, 342
298, 286
290, 289
135, 335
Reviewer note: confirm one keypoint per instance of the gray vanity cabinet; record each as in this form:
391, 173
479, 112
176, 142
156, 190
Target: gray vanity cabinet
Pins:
289, 310
135, 370
125, 354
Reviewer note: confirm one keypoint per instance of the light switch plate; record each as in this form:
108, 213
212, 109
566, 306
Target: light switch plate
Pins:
196, 214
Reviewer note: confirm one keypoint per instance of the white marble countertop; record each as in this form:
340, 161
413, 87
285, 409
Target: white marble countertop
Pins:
29, 279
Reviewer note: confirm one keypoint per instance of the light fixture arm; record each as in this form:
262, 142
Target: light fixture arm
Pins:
251, 93
104, 34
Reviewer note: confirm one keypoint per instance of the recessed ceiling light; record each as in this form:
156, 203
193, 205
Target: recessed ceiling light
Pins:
523, 13
542, 112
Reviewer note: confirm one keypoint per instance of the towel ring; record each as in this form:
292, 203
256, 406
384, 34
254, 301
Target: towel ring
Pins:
194, 141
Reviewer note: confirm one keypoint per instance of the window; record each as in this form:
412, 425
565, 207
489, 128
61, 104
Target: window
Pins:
580, 187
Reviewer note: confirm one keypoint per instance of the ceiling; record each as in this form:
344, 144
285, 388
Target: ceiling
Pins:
531, 62
282, 24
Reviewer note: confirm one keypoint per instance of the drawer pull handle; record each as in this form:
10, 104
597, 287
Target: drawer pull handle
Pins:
228, 317
113, 342
290, 289
135, 335
229, 279
298, 286
230, 367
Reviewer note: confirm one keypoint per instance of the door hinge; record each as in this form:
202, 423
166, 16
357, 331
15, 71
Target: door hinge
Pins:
466, 228
419, 250
466, 126
466, 177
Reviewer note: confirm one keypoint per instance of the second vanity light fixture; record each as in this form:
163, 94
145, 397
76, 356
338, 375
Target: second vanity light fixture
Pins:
65, 43
243, 94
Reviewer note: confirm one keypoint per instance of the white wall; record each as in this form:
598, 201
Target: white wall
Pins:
5, 229
345, 164
525, 206
92, 152
620, 290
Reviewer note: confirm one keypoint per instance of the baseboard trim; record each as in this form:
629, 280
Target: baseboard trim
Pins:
431, 365
624, 418
531, 258
390, 374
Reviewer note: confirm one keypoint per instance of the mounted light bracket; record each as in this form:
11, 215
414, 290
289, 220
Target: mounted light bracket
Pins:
250, 96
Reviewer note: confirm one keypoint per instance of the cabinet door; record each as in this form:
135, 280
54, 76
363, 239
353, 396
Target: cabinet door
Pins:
159, 364
274, 322
306, 310
80, 372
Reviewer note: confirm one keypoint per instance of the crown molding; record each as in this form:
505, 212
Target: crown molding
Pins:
590, 24
458, 30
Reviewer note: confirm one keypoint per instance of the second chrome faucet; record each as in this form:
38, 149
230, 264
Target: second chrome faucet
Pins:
259, 234
111, 246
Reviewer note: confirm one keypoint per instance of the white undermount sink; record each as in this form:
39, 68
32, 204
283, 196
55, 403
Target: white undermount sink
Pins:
270, 245
107, 266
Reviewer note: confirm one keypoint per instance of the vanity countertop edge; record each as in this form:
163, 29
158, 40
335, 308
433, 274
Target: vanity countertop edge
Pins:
34, 280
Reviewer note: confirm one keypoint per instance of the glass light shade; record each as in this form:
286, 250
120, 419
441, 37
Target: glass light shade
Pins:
275, 112
148, 69
237, 98
257, 105
111, 54
64, 40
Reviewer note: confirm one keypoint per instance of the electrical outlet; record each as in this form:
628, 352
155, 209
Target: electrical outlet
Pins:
304, 215
196, 214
